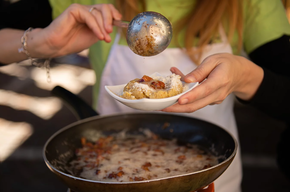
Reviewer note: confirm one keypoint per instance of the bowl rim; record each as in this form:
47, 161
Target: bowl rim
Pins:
147, 100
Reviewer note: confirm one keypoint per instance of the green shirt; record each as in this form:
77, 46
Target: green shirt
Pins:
264, 21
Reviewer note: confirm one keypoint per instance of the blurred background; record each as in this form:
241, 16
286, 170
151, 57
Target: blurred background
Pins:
29, 115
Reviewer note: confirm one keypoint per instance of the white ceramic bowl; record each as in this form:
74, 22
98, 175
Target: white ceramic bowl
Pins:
145, 103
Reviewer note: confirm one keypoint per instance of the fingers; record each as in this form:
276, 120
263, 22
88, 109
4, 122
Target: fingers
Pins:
204, 90
218, 77
177, 72
100, 21
215, 97
104, 15
203, 70
199, 92
191, 107
213, 89
97, 26
79, 14
109, 13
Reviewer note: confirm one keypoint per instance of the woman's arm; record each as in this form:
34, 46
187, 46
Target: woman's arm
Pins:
264, 84
20, 16
73, 31
10, 42
273, 95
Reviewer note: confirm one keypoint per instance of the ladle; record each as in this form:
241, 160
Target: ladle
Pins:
149, 33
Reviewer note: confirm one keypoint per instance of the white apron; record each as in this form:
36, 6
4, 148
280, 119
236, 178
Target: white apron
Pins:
123, 65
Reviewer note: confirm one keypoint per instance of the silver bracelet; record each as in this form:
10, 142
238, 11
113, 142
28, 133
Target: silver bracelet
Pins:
34, 61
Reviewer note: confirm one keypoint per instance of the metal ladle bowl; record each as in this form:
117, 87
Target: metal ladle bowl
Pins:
149, 33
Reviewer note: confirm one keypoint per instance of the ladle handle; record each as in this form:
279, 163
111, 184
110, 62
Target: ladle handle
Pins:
121, 24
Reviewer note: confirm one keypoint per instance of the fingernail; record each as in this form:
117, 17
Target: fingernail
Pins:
109, 28
109, 38
190, 79
183, 101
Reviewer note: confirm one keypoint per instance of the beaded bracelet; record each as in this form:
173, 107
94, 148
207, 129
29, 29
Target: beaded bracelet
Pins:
34, 61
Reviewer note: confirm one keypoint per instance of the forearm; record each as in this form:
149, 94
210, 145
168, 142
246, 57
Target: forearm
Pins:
34, 13
11, 41
272, 96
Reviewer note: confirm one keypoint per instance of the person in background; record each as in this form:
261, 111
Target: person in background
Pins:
209, 35
217, 29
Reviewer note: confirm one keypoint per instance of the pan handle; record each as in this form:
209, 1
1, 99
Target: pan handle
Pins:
78, 106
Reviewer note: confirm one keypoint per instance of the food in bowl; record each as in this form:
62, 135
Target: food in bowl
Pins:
157, 87
131, 158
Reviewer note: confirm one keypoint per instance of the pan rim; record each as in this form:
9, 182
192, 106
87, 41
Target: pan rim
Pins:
50, 166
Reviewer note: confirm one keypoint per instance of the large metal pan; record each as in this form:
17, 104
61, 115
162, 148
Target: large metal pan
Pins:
60, 148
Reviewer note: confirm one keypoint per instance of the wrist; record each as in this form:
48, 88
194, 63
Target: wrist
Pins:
37, 45
251, 78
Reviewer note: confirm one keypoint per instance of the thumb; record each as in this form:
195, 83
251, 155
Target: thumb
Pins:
201, 72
